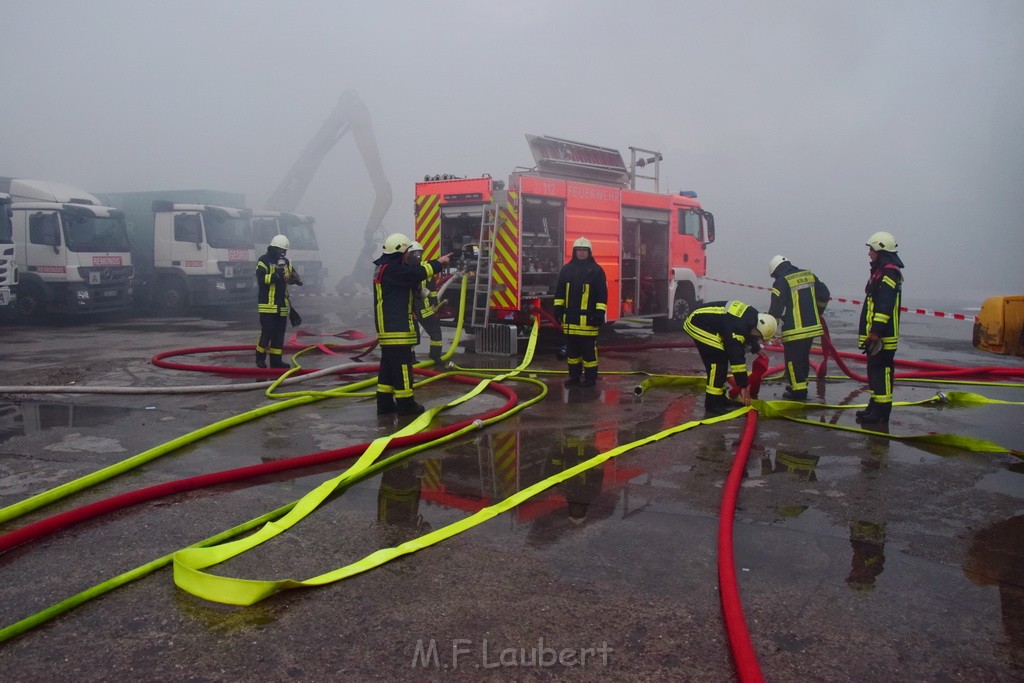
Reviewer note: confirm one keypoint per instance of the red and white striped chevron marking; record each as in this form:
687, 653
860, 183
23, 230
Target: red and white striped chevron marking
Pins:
855, 302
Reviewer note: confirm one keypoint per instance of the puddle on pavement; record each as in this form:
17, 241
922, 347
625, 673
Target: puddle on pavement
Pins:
19, 419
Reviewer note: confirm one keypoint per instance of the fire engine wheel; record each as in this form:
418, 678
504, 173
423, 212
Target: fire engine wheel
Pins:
171, 297
31, 302
684, 306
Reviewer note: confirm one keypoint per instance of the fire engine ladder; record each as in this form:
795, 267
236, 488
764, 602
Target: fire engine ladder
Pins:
484, 276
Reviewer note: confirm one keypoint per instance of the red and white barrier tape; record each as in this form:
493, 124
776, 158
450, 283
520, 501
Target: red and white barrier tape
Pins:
855, 302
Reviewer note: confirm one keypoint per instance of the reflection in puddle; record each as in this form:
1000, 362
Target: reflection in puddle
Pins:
19, 419
996, 558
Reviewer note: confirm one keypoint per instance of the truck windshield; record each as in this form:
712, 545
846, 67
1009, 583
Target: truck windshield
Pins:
225, 232
300, 235
87, 233
264, 230
6, 233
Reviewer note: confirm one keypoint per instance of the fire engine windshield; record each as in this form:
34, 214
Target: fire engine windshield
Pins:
84, 232
264, 230
226, 232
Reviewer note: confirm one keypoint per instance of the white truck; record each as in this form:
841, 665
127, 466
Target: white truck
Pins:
8, 267
71, 251
189, 251
303, 250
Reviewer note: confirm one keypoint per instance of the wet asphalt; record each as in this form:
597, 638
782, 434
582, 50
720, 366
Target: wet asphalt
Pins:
859, 557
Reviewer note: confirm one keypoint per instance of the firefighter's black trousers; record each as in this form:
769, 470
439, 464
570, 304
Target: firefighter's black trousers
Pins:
272, 328
880, 370
716, 364
395, 374
797, 354
581, 353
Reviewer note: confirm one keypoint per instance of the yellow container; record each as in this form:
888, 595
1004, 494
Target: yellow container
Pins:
1000, 326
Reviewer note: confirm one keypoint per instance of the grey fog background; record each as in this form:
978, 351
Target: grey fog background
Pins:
803, 125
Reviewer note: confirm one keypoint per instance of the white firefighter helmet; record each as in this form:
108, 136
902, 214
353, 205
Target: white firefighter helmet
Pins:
882, 241
279, 241
776, 261
396, 243
582, 243
766, 325
415, 246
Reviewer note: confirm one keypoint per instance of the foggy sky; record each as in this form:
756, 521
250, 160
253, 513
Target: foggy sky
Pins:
803, 125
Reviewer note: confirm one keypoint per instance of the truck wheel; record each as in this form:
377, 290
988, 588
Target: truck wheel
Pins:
171, 297
31, 304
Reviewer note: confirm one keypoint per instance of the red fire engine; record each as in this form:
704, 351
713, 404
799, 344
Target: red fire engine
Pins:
651, 245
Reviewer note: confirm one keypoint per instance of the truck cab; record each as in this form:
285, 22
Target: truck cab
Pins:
201, 255
303, 252
8, 268
72, 252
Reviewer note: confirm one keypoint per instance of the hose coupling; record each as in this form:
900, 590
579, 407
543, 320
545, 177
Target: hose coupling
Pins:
940, 397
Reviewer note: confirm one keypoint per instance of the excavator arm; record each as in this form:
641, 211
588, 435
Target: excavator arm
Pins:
349, 115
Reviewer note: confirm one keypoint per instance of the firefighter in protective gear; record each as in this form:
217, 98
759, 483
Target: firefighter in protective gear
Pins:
425, 308
723, 331
581, 303
879, 328
274, 273
395, 283
798, 300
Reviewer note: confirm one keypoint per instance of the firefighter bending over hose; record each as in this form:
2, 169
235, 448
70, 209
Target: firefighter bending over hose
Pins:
581, 302
395, 282
879, 329
798, 300
425, 306
723, 330
274, 273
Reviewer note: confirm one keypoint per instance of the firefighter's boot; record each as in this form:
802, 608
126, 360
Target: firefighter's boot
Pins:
386, 403
589, 377
871, 407
719, 405
575, 373
435, 354
261, 360
277, 363
795, 394
409, 406
877, 415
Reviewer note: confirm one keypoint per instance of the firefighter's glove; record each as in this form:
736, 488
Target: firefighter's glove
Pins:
598, 318
294, 318
754, 346
871, 346
294, 279
559, 312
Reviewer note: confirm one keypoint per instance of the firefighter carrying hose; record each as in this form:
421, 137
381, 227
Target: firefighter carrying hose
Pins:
798, 300
395, 282
723, 330
425, 306
879, 329
274, 273
581, 302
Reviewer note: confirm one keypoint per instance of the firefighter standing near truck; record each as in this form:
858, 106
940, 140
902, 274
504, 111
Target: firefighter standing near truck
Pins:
274, 273
879, 329
723, 331
425, 306
581, 302
798, 300
395, 283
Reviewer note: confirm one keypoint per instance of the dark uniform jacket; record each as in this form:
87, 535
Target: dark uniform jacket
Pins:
273, 284
581, 297
726, 325
394, 293
881, 311
798, 297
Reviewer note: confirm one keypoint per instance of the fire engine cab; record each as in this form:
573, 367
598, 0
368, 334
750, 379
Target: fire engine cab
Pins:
651, 245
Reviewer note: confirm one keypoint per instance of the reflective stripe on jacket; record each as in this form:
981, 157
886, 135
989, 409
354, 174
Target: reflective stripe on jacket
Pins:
725, 325
272, 285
